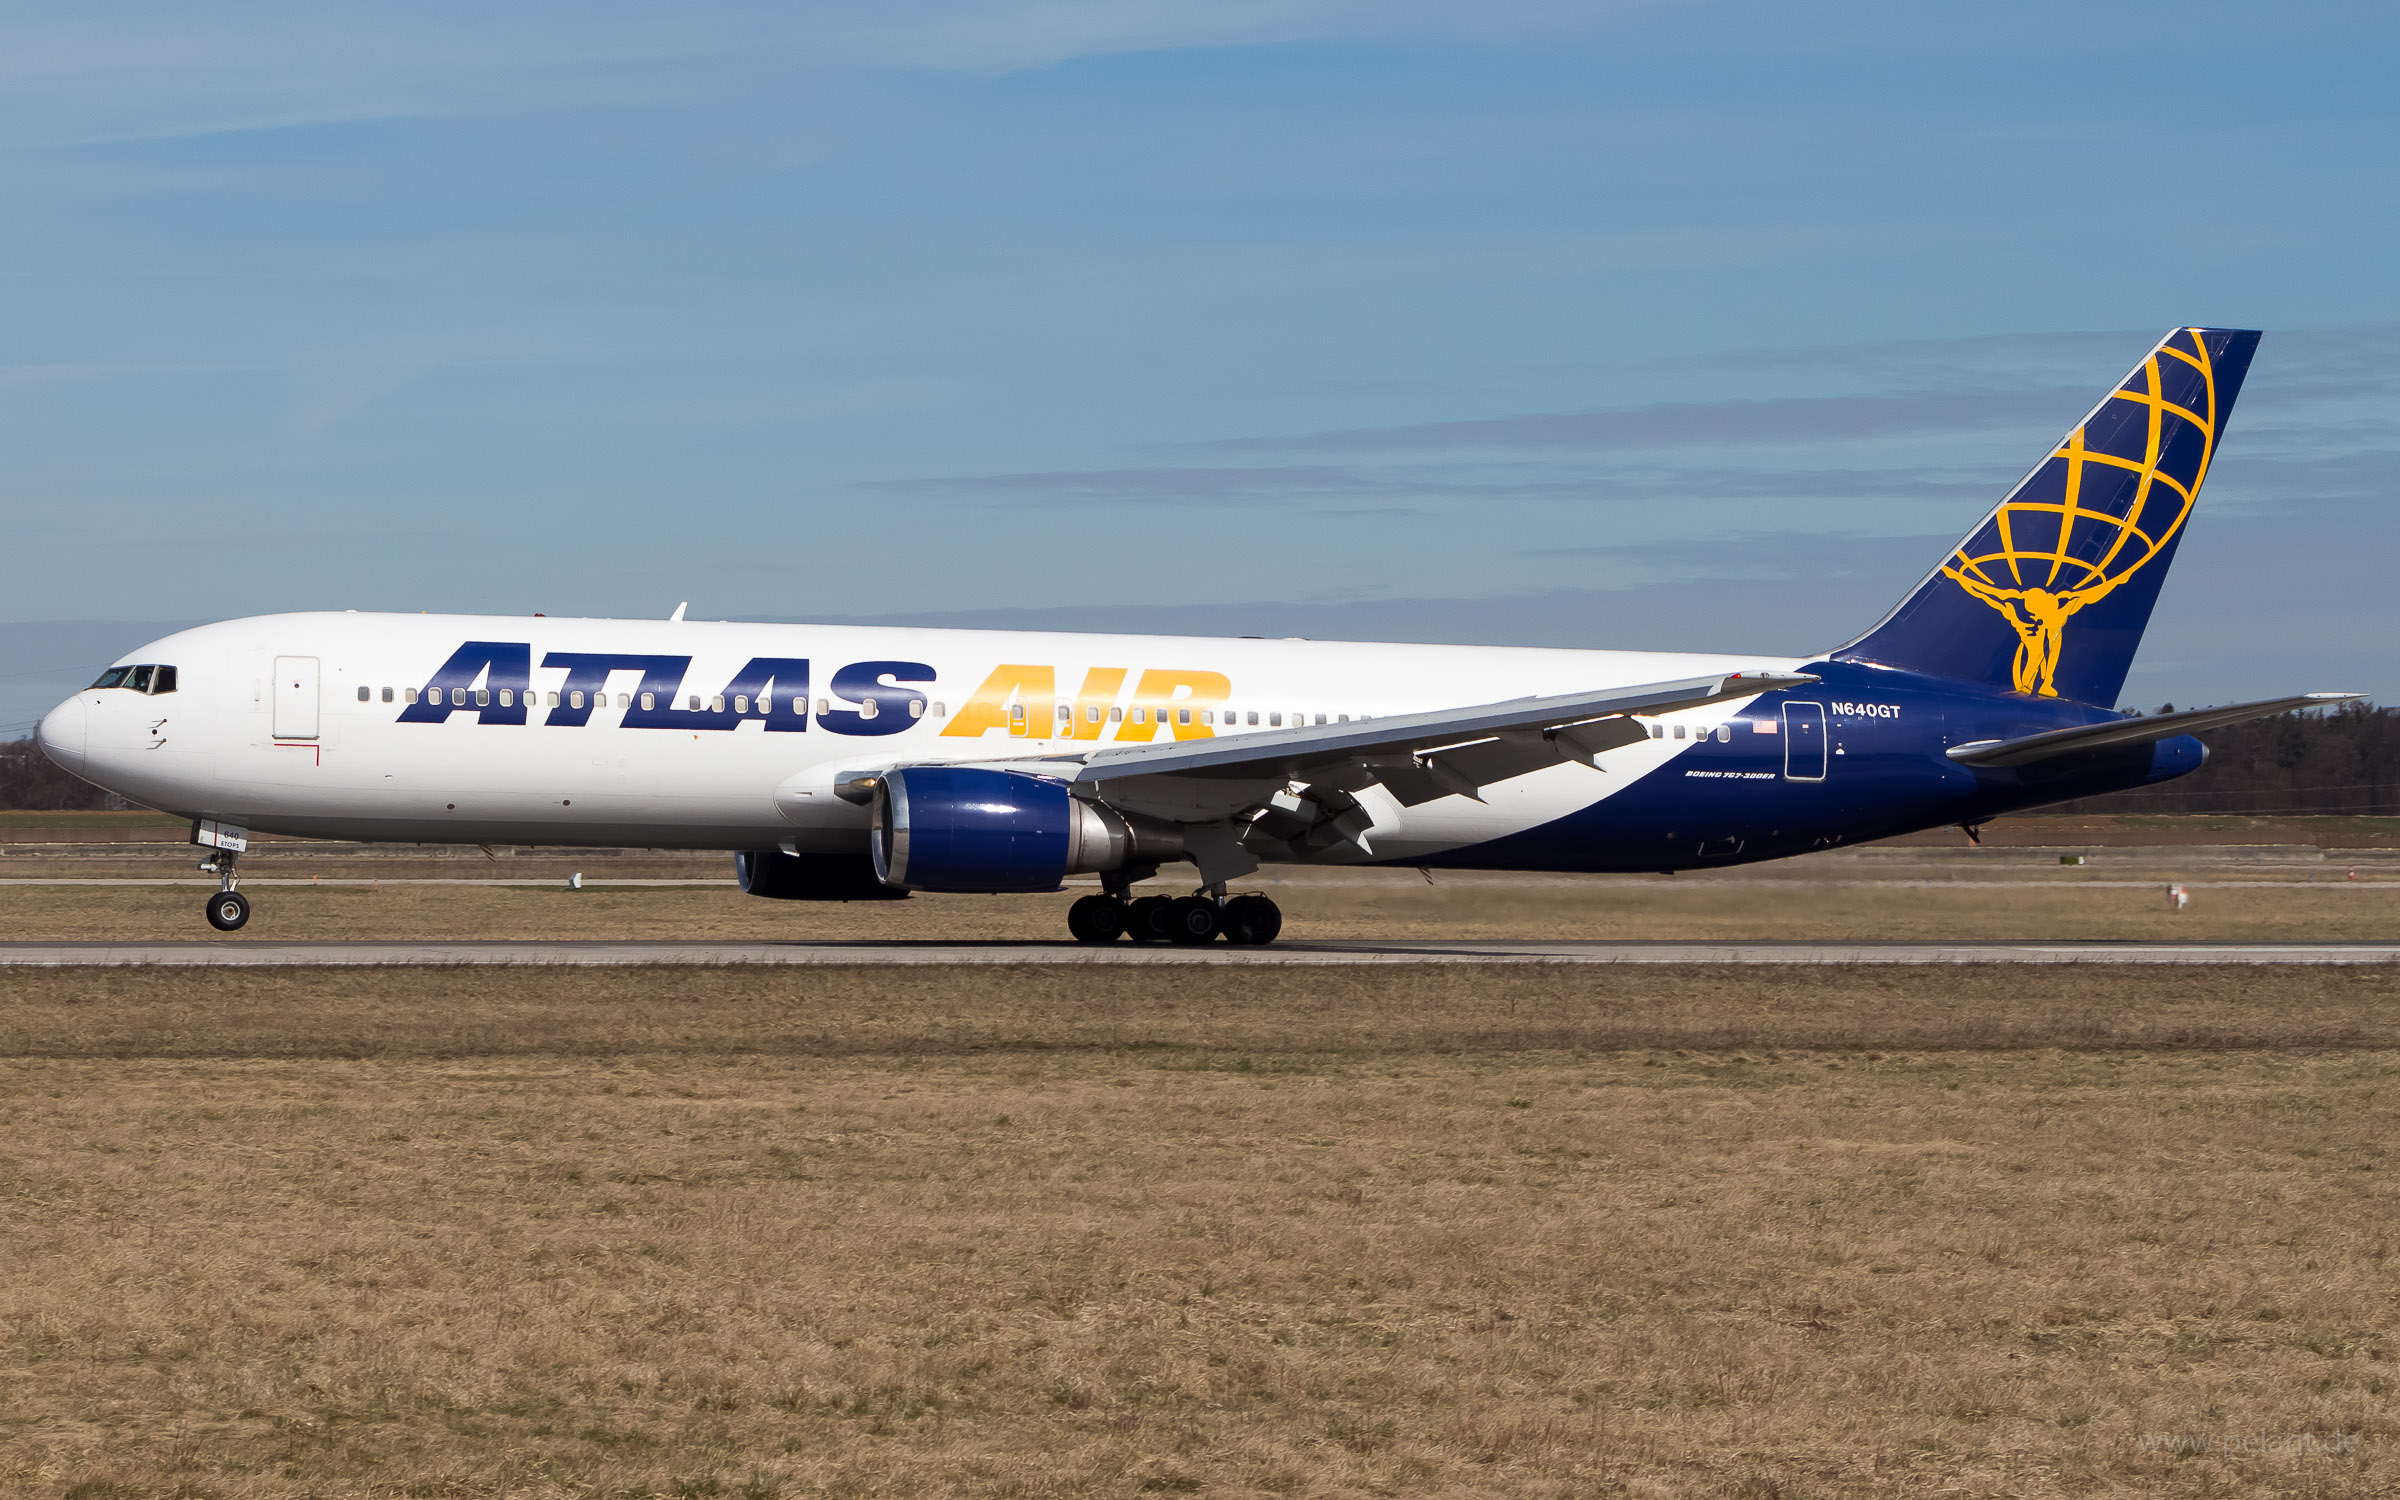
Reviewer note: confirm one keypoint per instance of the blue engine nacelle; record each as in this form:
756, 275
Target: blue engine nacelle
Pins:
966, 828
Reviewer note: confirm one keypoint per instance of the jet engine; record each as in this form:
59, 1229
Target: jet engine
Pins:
969, 828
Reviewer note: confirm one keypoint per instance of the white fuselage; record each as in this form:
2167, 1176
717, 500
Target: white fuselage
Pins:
302, 723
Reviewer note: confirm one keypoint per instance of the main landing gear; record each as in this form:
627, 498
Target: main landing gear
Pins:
228, 909
1246, 921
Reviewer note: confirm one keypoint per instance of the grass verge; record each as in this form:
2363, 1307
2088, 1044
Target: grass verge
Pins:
1062, 1231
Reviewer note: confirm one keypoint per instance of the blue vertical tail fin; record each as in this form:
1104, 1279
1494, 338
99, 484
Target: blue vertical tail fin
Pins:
2050, 594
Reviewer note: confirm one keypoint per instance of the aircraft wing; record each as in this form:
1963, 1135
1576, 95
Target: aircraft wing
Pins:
1458, 750
1419, 757
2055, 743
1298, 785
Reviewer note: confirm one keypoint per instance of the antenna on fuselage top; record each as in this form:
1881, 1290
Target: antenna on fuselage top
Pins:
680, 608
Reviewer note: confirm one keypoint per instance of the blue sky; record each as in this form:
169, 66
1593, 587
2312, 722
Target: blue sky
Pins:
1643, 325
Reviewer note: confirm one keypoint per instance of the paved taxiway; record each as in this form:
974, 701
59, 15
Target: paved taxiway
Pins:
241, 953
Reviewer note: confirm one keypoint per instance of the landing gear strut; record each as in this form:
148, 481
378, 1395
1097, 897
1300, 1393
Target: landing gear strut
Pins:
228, 909
1246, 921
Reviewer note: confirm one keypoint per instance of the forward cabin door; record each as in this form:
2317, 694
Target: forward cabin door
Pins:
1804, 741
295, 697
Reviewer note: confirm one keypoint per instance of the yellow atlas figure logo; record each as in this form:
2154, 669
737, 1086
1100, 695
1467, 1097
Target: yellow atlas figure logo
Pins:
2083, 523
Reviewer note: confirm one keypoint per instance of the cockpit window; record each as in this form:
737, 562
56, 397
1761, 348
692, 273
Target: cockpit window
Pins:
148, 678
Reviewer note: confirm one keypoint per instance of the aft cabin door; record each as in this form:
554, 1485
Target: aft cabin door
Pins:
295, 697
1804, 741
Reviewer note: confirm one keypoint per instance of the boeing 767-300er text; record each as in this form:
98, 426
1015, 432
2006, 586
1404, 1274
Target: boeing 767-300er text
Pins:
845, 763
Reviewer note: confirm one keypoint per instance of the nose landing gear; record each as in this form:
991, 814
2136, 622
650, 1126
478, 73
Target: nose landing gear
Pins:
228, 909
1245, 921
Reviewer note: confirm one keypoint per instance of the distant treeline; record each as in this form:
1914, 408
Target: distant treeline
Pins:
2338, 761
2329, 762
29, 781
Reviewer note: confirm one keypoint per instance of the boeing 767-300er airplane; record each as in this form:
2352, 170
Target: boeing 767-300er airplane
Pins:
844, 763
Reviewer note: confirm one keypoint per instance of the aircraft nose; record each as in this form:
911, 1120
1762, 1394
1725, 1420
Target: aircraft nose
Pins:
64, 732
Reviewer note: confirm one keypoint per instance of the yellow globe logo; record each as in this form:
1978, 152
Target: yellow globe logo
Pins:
2109, 499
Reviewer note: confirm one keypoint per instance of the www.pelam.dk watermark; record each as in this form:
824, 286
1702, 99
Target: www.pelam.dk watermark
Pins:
2333, 1444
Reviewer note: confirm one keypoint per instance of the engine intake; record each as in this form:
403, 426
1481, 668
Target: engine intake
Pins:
811, 877
967, 828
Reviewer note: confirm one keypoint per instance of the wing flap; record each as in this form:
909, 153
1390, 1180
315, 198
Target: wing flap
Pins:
1468, 769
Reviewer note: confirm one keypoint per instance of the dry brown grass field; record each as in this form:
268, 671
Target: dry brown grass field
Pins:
1038, 1231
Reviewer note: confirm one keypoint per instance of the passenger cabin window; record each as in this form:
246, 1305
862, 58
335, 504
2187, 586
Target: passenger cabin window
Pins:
1183, 716
649, 702
387, 695
363, 695
575, 699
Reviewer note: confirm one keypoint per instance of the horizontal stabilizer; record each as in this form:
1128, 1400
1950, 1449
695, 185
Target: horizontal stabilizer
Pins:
2088, 737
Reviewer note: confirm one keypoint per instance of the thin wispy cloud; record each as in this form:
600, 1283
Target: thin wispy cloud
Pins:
1704, 424
121, 73
1297, 484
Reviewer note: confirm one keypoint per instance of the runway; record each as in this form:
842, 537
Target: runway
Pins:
239, 953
